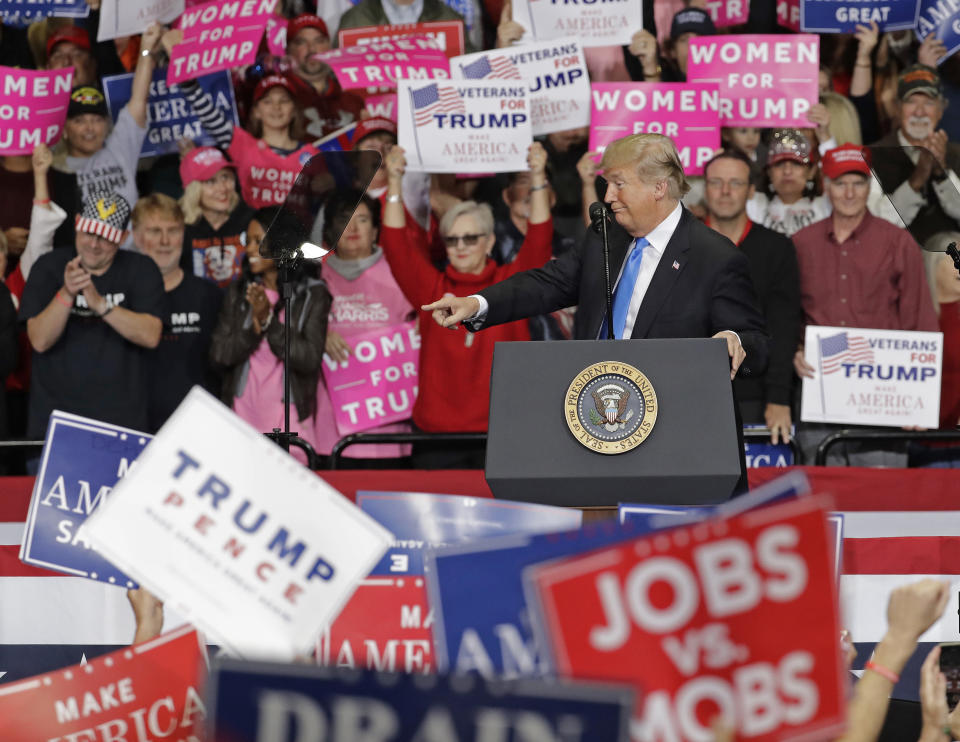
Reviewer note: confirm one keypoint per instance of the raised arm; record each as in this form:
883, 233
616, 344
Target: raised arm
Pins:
143, 74
45, 217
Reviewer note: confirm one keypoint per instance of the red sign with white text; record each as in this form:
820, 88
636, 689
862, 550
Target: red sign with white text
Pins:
448, 34
152, 690
386, 626
736, 618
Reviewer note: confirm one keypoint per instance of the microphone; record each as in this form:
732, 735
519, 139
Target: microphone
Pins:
599, 216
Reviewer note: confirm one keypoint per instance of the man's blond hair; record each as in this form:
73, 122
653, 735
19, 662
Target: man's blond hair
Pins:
655, 158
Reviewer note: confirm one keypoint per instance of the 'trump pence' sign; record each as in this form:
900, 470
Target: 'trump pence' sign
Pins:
733, 617
235, 535
688, 113
33, 107
765, 80
464, 126
555, 71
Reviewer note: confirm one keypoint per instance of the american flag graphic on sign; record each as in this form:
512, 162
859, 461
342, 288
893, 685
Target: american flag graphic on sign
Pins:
432, 100
500, 68
841, 348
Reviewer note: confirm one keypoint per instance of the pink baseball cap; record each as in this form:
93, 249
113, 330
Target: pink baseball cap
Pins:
202, 163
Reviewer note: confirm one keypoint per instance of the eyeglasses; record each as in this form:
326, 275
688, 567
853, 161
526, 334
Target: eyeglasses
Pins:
735, 185
452, 240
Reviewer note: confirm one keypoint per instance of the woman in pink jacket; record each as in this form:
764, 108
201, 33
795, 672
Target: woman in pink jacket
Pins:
365, 297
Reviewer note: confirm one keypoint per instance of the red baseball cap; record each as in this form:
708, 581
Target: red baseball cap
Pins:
372, 126
306, 20
847, 158
73, 34
272, 81
202, 163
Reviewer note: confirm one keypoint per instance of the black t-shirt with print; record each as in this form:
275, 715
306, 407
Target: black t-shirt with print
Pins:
182, 359
92, 370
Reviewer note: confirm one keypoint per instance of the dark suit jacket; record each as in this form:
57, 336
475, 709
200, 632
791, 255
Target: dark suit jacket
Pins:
709, 290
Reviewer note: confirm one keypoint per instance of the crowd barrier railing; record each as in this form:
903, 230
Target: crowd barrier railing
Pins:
854, 435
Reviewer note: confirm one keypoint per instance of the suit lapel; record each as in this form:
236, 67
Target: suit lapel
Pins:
664, 277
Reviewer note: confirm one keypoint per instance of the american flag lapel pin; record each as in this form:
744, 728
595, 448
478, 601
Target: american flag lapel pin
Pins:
676, 265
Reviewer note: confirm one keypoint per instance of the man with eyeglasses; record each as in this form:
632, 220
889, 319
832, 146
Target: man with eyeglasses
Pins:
763, 399
92, 314
858, 270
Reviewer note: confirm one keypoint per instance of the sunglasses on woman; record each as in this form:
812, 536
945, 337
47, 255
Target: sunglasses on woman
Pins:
452, 240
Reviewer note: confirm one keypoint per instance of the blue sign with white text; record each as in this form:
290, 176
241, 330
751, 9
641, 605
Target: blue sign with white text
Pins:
256, 701
168, 112
419, 521
34, 9
843, 16
82, 461
943, 20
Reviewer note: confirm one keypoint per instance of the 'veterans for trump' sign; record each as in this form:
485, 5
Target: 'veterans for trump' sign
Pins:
235, 535
872, 377
555, 71
465, 126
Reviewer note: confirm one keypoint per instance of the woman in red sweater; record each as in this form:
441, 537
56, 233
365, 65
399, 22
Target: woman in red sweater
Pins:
459, 401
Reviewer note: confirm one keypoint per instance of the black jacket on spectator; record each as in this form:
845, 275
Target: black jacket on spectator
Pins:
234, 341
776, 278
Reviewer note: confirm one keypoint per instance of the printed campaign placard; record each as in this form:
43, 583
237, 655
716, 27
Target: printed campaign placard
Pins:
788, 14
761, 452
688, 113
33, 108
385, 62
169, 115
276, 36
235, 535
254, 702
556, 72
35, 9
872, 377
464, 126
610, 23
377, 385
82, 461
387, 624
130, 17
843, 16
157, 685
941, 19
218, 36
728, 12
686, 616
765, 79
448, 34
382, 105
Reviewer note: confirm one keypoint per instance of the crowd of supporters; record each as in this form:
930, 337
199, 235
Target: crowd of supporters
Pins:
128, 280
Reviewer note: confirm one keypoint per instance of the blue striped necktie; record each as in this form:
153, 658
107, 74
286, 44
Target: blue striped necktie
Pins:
624, 290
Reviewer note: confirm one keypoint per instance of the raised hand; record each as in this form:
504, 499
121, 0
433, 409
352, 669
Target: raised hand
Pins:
508, 31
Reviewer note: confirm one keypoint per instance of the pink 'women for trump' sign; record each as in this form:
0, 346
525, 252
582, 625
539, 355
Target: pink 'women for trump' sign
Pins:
728, 12
33, 107
378, 384
688, 113
765, 79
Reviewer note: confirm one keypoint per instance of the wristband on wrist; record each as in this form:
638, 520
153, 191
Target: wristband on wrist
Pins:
41, 201
538, 187
62, 299
882, 671
105, 312
394, 198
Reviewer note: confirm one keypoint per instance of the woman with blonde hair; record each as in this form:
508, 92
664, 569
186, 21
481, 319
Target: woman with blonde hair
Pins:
844, 121
215, 215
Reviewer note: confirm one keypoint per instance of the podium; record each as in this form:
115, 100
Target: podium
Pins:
554, 405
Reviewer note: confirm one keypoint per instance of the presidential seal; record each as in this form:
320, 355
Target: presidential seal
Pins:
610, 407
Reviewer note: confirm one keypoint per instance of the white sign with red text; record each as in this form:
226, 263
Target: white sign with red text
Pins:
608, 23
872, 377
464, 126
735, 618
765, 79
555, 71
235, 535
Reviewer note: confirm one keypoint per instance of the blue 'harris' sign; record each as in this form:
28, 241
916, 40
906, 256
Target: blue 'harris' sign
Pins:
82, 461
843, 16
261, 702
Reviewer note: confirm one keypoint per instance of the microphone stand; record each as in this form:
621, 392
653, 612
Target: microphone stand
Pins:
599, 215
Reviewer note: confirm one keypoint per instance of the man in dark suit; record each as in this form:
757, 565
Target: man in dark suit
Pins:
673, 276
